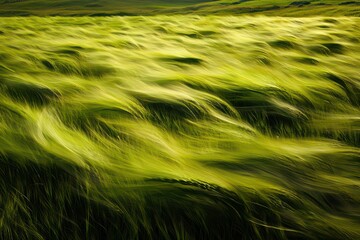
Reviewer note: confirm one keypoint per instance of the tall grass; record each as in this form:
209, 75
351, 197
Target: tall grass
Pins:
179, 127
98, 8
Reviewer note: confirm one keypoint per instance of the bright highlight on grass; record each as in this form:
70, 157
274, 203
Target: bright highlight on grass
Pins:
181, 127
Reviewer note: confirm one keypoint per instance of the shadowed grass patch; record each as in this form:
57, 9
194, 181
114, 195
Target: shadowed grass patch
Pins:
31, 94
336, 48
307, 60
283, 44
320, 49
76, 67
184, 60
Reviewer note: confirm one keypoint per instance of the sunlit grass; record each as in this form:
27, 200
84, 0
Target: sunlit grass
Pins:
181, 127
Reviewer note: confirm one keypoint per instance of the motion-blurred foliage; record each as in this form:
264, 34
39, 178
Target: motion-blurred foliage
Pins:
297, 8
181, 127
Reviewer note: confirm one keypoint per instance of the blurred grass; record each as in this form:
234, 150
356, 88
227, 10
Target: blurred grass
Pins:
183, 127
297, 8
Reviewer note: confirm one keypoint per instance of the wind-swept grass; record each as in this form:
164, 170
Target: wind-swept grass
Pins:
181, 127
154, 7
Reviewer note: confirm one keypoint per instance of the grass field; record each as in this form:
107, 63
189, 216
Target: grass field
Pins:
294, 8
186, 127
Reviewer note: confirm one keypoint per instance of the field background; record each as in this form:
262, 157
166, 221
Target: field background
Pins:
187, 126
204, 7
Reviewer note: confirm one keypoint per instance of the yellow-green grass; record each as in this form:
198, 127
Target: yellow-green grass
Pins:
298, 8
182, 127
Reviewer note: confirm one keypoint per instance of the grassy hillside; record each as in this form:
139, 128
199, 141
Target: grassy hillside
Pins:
189, 128
150, 7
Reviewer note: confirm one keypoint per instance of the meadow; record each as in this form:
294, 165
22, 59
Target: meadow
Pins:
294, 8
179, 127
